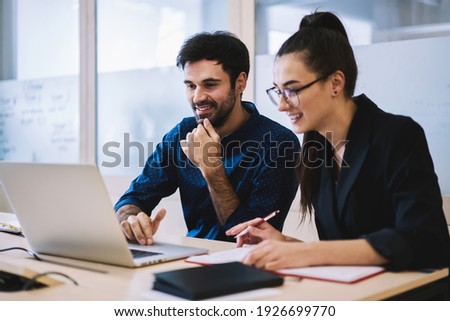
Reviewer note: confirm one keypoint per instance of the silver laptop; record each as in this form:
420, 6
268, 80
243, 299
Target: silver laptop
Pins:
65, 211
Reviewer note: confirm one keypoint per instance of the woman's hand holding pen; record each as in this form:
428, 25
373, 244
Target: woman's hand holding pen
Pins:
258, 230
274, 249
275, 254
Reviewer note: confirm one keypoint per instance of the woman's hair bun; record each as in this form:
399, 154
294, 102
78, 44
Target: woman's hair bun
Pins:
325, 20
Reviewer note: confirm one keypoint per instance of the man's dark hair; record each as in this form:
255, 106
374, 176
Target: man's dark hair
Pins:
221, 46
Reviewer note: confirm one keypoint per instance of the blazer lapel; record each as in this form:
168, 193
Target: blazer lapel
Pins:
326, 199
348, 175
355, 153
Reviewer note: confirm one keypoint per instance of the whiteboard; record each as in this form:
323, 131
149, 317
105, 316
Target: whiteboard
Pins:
406, 77
39, 120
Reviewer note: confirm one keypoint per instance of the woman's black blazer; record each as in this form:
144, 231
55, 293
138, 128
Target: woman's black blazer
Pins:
387, 191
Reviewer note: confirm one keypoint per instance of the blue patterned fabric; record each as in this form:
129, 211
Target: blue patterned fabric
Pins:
259, 159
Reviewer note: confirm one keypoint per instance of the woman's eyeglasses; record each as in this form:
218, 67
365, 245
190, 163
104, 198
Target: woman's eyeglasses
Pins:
290, 95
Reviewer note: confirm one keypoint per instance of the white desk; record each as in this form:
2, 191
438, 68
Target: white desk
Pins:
135, 284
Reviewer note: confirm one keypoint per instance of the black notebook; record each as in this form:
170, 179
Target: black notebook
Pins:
209, 281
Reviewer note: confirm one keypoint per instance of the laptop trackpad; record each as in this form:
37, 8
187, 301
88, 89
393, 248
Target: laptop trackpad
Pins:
137, 254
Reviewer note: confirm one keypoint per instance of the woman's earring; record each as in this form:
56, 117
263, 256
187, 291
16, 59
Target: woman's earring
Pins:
335, 92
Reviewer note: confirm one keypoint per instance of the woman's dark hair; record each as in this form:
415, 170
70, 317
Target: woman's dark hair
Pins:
322, 43
221, 46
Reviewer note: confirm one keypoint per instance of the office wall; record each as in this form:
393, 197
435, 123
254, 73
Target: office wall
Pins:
412, 78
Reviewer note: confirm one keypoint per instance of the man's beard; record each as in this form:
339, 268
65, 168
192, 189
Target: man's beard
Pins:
220, 113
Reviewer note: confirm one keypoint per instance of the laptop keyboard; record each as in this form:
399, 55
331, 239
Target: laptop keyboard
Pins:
137, 254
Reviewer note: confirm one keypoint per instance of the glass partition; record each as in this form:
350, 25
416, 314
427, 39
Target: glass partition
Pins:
141, 94
369, 21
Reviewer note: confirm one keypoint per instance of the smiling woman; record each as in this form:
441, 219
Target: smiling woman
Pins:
367, 175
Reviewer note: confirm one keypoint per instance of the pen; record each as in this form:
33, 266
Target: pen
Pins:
265, 219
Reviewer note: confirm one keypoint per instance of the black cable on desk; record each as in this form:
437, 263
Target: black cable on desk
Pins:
22, 249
